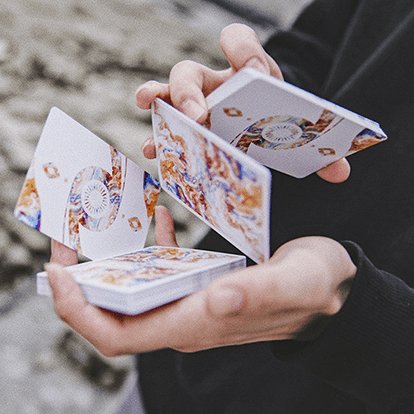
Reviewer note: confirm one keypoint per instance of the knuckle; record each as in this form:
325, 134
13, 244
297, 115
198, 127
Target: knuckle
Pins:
184, 65
151, 84
146, 89
235, 29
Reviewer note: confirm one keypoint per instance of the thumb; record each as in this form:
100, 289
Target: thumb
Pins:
337, 172
62, 254
241, 292
65, 291
164, 227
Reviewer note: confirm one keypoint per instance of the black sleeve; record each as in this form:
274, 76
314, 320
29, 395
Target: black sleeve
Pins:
367, 351
307, 51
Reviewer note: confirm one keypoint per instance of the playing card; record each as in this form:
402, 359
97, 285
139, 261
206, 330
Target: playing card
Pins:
284, 127
221, 185
148, 278
84, 193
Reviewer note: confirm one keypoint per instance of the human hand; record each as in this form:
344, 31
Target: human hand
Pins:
190, 82
291, 296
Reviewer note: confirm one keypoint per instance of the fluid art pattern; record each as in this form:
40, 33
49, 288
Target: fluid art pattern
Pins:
285, 132
151, 193
215, 184
365, 139
94, 199
146, 265
174, 254
28, 205
51, 170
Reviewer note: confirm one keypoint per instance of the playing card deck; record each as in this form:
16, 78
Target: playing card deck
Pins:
90, 197
136, 282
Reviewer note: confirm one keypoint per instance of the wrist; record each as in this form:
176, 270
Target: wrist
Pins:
344, 271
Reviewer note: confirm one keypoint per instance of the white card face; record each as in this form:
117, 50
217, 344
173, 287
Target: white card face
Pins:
84, 193
218, 183
285, 128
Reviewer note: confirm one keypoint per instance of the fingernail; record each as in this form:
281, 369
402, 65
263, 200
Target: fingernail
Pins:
226, 301
157, 212
193, 109
257, 64
146, 142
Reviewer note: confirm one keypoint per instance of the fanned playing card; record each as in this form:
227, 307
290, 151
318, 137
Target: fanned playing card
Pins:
84, 193
284, 127
221, 185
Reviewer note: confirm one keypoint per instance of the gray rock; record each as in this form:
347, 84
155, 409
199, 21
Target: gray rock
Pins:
18, 256
4, 168
11, 189
35, 241
45, 360
4, 241
4, 49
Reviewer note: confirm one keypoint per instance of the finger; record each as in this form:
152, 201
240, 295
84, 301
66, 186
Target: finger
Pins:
242, 48
148, 148
62, 254
164, 227
149, 91
96, 325
256, 290
234, 309
189, 83
336, 172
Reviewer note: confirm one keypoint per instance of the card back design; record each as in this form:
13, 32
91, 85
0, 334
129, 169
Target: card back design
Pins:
152, 263
151, 277
94, 199
365, 139
84, 193
28, 208
219, 184
285, 132
284, 127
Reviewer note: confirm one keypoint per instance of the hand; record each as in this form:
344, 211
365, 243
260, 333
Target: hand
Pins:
190, 82
304, 284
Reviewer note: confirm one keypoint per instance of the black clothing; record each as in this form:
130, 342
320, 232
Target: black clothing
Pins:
359, 54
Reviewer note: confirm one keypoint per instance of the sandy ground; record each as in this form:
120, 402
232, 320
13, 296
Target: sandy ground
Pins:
86, 58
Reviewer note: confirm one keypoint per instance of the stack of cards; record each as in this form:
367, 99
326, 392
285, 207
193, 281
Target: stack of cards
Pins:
87, 195
136, 282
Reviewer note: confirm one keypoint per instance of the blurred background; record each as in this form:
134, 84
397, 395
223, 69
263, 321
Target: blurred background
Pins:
87, 58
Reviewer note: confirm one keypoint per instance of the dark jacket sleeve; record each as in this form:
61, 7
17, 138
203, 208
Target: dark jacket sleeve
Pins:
306, 53
367, 350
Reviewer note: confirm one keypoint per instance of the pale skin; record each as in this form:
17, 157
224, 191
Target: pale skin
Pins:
292, 296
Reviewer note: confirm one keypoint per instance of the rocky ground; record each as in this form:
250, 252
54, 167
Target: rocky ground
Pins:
86, 58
